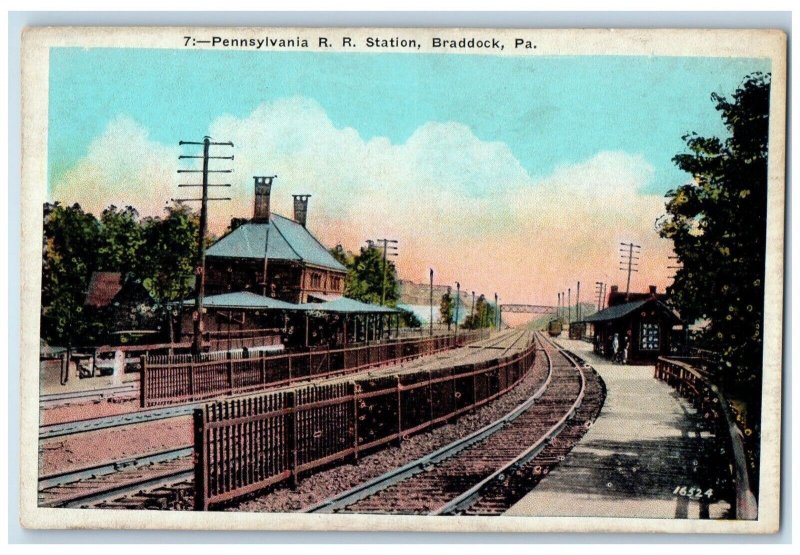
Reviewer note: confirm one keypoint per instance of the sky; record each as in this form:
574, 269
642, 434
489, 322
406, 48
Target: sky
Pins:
516, 175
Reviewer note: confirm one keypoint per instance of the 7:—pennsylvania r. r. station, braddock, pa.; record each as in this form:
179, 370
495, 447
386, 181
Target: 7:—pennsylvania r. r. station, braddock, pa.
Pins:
372, 42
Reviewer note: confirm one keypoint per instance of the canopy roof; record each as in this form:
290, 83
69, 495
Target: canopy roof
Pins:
248, 300
343, 304
282, 238
243, 299
618, 311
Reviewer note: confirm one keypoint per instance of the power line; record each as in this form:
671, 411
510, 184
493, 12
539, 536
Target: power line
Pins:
627, 257
200, 267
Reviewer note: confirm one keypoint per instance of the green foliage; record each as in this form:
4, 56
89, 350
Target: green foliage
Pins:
72, 239
168, 257
365, 275
156, 252
483, 316
718, 227
409, 319
447, 308
120, 239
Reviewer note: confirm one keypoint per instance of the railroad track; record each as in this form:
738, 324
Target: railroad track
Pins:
157, 480
506, 341
50, 431
125, 391
487, 471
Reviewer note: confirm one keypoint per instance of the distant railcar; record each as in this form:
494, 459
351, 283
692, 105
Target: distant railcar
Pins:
554, 327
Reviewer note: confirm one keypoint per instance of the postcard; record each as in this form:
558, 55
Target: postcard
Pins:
448, 279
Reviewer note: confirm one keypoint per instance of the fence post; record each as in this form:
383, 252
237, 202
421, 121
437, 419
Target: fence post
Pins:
399, 412
143, 382
263, 364
200, 462
229, 356
191, 379
354, 389
291, 430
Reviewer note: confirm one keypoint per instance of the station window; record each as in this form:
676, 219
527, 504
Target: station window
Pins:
316, 280
649, 336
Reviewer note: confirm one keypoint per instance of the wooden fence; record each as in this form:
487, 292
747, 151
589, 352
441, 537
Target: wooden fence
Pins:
246, 444
173, 379
694, 384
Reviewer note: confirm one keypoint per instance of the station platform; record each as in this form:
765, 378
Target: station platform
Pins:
646, 456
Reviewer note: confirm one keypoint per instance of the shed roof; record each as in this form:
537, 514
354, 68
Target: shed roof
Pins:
103, 287
343, 304
246, 299
621, 310
287, 240
243, 299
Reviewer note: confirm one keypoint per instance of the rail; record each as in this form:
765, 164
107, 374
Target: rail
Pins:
712, 404
247, 444
466, 499
175, 379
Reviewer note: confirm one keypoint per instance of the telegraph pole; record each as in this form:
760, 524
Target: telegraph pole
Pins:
497, 310
431, 323
578, 303
629, 258
200, 266
388, 244
569, 305
458, 302
472, 312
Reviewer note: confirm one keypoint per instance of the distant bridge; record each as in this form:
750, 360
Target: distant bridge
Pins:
529, 308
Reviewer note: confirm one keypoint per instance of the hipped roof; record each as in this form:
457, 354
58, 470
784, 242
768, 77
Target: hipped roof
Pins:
287, 240
618, 311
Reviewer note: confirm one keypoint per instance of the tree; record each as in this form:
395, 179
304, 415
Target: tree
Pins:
482, 317
70, 252
365, 273
167, 266
446, 307
718, 227
121, 237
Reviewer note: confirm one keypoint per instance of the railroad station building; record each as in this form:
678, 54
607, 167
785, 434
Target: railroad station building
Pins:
649, 326
301, 303
298, 267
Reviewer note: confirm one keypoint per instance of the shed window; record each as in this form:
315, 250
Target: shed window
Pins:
649, 336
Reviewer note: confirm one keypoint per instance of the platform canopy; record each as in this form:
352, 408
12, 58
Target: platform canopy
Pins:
349, 306
243, 300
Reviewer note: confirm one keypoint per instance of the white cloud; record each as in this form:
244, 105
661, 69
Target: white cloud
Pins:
462, 205
122, 167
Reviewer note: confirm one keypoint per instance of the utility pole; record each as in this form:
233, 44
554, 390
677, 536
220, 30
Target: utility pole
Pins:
200, 265
388, 244
627, 256
472, 312
458, 302
431, 326
497, 312
578, 303
679, 267
558, 307
569, 305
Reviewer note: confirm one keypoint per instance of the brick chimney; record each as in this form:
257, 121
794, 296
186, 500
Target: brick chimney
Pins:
653, 290
301, 208
263, 185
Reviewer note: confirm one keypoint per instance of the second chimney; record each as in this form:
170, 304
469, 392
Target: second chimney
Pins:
653, 290
261, 206
301, 208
